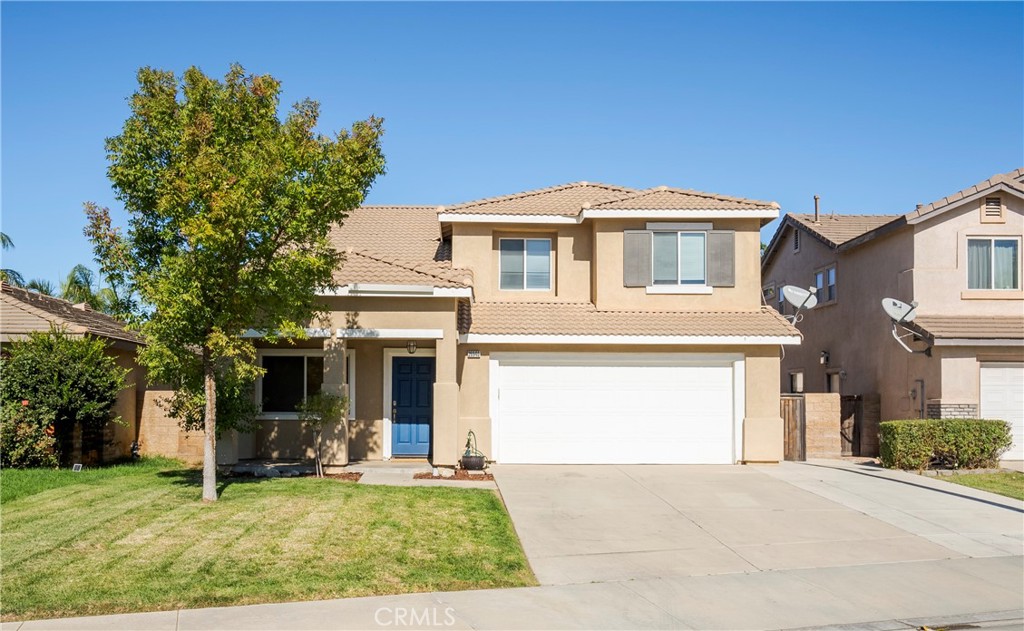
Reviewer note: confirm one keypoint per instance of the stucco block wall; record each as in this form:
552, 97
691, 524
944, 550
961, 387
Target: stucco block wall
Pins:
162, 435
822, 417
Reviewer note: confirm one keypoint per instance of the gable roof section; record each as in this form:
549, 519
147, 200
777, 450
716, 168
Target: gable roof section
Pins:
26, 311
843, 232
362, 266
839, 232
565, 200
396, 245
666, 198
1012, 182
584, 319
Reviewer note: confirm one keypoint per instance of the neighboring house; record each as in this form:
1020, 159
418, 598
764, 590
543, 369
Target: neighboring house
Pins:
23, 312
581, 323
959, 258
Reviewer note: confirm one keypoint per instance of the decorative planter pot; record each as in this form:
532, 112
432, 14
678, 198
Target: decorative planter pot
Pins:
473, 463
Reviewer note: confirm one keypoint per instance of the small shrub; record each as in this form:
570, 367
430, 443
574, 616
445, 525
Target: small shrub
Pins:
954, 443
26, 437
71, 379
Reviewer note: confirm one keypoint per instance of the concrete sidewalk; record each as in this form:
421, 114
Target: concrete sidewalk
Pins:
929, 593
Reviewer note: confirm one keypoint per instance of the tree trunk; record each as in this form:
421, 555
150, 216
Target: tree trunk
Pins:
319, 462
209, 430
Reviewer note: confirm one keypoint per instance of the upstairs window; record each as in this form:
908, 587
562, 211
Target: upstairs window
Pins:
525, 264
679, 258
825, 284
993, 263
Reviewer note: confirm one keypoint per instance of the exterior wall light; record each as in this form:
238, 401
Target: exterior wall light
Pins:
824, 358
411, 347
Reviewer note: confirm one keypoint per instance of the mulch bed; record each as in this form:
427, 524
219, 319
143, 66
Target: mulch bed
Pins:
346, 476
460, 474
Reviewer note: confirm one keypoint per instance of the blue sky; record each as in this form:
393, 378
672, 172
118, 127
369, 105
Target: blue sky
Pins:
873, 106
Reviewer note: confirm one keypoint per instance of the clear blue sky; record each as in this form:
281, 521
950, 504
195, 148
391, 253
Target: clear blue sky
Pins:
874, 106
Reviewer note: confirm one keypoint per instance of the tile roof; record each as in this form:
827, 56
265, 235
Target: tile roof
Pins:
26, 311
555, 318
663, 197
971, 327
362, 266
1014, 180
838, 229
396, 245
563, 200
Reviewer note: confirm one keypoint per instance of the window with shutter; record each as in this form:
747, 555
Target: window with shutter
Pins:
679, 260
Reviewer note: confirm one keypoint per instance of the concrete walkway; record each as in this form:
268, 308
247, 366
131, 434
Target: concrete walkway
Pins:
790, 546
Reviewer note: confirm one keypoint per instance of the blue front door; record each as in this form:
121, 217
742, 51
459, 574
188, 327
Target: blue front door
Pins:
412, 405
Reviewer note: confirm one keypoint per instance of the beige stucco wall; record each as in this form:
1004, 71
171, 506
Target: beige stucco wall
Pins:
926, 263
122, 434
940, 261
475, 247
162, 435
611, 294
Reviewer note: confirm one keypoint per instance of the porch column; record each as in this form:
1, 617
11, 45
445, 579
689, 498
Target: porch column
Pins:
446, 403
335, 383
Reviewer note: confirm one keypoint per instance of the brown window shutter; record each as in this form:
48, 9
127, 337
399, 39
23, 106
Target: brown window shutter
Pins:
722, 258
636, 258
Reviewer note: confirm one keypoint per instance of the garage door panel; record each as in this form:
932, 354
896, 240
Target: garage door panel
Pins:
1002, 397
615, 413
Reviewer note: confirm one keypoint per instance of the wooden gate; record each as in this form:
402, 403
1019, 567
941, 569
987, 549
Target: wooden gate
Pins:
795, 426
851, 415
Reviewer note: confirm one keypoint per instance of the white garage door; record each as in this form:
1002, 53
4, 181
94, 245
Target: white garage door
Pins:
614, 409
1002, 397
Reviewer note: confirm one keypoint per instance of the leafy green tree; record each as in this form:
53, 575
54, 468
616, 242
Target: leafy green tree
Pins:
229, 211
8, 275
80, 286
71, 380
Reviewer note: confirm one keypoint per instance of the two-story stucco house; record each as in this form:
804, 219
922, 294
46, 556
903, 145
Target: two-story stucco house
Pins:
959, 258
582, 323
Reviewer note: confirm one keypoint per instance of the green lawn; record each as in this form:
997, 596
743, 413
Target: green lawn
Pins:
137, 538
1008, 483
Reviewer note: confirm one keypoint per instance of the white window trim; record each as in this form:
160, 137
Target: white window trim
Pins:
551, 263
350, 374
794, 373
679, 287
282, 352
389, 355
991, 261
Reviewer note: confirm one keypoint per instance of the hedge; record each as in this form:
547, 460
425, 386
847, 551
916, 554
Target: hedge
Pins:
956, 443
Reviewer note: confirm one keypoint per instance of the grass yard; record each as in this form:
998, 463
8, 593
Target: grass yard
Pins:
137, 538
1008, 483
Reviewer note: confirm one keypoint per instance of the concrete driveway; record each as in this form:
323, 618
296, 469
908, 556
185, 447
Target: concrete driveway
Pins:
581, 524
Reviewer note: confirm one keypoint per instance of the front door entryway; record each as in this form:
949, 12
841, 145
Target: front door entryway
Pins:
412, 405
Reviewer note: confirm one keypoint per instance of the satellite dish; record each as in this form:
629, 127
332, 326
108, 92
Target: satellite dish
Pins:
799, 297
899, 310
901, 314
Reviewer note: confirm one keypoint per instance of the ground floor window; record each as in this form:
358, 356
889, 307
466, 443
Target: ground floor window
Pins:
289, 380
796, 381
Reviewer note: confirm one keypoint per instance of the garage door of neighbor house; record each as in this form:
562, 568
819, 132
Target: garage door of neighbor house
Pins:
615, 408
1002, 396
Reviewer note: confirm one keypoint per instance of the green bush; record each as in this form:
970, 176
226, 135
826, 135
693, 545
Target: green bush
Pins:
955, 443
26, 437
70, 380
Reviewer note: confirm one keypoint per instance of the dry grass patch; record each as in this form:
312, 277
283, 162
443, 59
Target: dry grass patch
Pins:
142, 541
